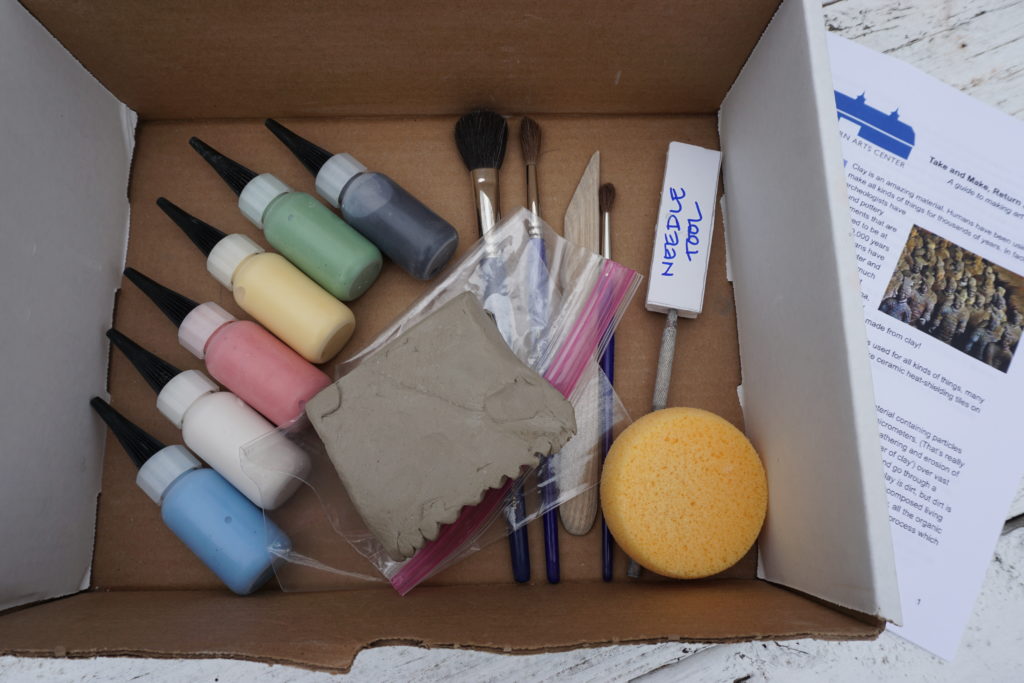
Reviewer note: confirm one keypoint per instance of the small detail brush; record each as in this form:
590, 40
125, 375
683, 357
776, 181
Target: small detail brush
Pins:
605, 200
481, 137
529, 139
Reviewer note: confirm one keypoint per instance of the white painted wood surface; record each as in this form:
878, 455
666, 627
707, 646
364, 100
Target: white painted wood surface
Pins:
975, 45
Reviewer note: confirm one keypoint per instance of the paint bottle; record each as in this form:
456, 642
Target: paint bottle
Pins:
271, 289
418, 240
252, 363
216, 425
305, 231
216, 522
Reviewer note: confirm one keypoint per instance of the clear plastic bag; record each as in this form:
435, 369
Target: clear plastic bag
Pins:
556, 306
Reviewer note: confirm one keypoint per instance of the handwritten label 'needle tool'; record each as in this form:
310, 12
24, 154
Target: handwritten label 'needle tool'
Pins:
679, 264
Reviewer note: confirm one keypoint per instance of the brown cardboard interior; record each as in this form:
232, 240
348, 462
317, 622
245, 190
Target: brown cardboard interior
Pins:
420, 155
197, 59
151, 596
140, 569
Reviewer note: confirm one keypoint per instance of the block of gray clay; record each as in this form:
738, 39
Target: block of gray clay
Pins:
433, 419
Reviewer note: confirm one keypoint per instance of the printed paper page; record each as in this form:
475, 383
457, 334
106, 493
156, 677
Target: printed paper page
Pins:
936, 193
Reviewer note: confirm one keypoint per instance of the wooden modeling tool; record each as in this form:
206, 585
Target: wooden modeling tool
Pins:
679, 263
582, 227
605, 199
529, 140
481, 137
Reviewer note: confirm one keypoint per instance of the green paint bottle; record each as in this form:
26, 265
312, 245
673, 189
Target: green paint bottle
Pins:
306, 232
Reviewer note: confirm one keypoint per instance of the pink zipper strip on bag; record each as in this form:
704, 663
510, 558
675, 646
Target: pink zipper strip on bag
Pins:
615, 287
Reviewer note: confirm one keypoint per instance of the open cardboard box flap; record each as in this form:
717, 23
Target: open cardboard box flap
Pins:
633, 78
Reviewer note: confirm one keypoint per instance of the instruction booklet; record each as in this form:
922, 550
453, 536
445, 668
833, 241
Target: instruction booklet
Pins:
937, 210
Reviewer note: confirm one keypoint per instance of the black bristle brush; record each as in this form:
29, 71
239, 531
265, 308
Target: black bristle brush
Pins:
481, 137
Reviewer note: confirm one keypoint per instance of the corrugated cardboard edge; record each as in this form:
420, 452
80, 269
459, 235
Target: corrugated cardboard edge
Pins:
203, 624
824, 368
349, 657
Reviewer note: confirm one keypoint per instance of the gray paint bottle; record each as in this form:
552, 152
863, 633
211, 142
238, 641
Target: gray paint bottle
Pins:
418, 240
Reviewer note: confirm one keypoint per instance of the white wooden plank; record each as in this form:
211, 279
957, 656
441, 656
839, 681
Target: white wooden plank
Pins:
974, 45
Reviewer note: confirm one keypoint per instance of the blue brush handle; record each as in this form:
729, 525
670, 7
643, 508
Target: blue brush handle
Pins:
548, 496
539, 304
494, 274
518, 541
607, 421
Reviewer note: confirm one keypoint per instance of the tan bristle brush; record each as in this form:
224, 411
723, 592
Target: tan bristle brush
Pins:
529, 138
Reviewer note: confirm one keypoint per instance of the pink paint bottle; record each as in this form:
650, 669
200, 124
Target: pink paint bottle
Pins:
252, 363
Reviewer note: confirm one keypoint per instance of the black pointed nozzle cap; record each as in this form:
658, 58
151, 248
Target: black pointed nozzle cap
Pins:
312, 156
155, 370
233, 173
202, 234
139, 445
175, 306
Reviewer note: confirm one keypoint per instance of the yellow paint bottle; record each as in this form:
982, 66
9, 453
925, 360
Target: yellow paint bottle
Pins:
270, 289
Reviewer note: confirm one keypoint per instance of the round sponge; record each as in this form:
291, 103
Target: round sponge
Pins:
684, 493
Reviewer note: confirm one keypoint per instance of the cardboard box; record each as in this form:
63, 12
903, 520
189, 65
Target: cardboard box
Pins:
385, 81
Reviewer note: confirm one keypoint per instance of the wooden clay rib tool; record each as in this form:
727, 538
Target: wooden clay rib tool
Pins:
481, 137
529, 139
582, 227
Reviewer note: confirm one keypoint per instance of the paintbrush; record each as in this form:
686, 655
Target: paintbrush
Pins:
481, 137
605, 199
529, 140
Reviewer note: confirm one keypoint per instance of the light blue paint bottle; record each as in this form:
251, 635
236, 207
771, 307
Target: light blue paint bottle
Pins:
217, 523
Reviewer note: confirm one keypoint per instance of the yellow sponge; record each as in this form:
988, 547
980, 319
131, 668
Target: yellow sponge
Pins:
684, 493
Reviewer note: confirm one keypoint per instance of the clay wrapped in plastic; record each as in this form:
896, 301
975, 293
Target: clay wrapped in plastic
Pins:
482, 379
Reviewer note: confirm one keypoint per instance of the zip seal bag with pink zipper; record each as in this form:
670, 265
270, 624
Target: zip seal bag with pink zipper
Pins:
556, 306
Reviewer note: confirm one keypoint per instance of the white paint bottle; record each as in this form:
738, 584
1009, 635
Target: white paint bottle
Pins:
216, 425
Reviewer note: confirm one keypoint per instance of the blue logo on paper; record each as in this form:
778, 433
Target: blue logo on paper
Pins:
877, 127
